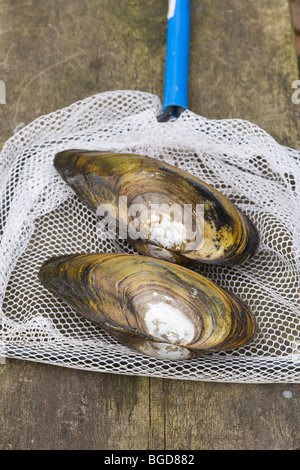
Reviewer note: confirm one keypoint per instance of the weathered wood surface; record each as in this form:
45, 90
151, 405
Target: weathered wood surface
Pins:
242, 64
295, 4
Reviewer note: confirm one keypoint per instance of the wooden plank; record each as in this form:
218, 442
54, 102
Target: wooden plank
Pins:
243, 63
295, 5
45, 407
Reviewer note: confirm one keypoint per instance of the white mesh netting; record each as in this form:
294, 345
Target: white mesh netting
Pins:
41, 217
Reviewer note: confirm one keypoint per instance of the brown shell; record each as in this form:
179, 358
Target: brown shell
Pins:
222, 234
152, 306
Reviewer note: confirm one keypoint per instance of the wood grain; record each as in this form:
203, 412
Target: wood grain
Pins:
242, 64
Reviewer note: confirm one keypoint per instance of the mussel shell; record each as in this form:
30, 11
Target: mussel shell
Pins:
228, 236
152, 306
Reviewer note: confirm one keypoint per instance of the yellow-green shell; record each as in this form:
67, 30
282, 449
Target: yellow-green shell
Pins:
152, 306
228, 236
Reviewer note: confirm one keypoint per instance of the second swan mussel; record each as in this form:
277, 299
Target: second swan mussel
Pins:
157, 308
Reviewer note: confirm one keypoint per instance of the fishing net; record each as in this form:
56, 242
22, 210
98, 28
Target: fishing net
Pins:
41, 217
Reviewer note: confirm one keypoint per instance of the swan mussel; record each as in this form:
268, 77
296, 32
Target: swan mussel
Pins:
219, 234
152, 306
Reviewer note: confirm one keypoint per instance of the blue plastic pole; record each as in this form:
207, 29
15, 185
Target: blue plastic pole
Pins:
177, 54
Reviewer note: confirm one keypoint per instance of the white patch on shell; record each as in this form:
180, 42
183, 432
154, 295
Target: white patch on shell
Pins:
171, 352
167, 323
167, 232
